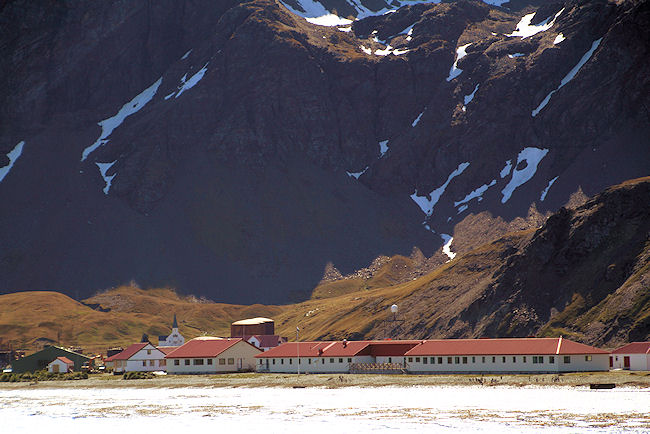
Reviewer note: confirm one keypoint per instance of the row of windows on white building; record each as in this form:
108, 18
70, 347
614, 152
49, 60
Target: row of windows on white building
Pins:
450, 360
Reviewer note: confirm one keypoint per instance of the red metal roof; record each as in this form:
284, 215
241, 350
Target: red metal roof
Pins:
340, 349
65, 360
392, 348
502, 346
204, 347
166, 350
266, 341
128, 352
292, 349
634, 348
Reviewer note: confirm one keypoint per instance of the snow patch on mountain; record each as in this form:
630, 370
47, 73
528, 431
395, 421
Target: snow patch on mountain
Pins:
506, 170
383, 147
478, 193
446, 248
515, 55
185, 55
585, 58
545, 192
365, 50
468, 98
425, 204
103, 168
455, 71
559, 38
356, 175
525, 29
415, 122
192, 81
532, 157
13, 156
345, 29
110, 124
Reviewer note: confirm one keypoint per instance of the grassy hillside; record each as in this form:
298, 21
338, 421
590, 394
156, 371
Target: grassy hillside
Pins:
585, 274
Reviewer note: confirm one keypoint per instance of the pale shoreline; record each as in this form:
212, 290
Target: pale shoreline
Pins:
254, 380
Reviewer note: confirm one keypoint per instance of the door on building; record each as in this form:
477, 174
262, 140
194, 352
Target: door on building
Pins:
55, 369
626, 362
611, 362
239, 364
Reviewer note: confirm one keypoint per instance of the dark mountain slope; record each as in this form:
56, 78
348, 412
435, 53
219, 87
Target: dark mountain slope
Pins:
227, 128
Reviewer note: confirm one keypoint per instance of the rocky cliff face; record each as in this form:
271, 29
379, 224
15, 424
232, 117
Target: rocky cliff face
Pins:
233, 149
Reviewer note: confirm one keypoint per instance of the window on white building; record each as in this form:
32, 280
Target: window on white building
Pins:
223, 361
210, 361
417, 360
198, 362
144, 363
187, 362
331, 360
425, 360
457, 360
567, 359
340, 360
440, 360
151, 362
514, 359
231, 361
349, 359
587, 358
464, 360
177, 362
450, 360
148, 352
551, 359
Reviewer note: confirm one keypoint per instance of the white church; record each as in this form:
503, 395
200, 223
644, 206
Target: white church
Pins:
175, 339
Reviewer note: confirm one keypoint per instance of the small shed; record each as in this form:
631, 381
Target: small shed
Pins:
60, 364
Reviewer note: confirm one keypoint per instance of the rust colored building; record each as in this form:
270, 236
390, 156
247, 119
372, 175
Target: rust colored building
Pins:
253, 326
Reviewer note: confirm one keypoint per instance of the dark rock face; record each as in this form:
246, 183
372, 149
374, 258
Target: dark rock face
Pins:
229, 161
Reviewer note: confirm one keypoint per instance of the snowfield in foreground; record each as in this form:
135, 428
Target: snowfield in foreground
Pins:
352, 409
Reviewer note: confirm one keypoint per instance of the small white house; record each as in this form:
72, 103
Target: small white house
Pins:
634, 357
60, 365
212, 355
142, 357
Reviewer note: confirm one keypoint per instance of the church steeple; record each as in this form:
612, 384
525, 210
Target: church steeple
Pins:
174, 324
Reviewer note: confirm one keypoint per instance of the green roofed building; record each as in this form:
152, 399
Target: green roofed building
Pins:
40, 359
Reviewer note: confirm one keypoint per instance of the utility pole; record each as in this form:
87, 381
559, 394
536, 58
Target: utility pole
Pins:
298, 348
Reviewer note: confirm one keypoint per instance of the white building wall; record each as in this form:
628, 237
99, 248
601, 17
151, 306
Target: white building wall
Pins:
63, 367
505, 364
638, 362
310, 365
390, 359
239, 357
148, 359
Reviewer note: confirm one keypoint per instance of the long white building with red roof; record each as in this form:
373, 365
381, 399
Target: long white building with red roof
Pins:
507, 355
